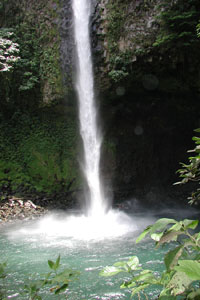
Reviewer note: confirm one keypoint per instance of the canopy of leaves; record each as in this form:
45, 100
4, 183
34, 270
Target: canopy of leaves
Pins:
191, 171
178, 21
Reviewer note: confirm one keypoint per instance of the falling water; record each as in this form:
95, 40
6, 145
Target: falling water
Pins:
87, 111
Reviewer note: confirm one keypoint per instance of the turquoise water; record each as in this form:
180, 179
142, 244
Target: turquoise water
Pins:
27, 252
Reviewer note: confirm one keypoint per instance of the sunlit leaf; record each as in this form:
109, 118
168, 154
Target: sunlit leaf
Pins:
198, 236
179, 283
190, 267
156, 236
57, 263
162, 223
143, 234
120, 264
147, 276
192, 224
133, 262
110, 271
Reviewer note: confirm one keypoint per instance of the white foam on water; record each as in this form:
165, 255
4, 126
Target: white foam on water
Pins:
78, 227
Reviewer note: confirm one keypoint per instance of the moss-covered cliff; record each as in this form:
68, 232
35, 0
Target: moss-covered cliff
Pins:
38, 121
148, 44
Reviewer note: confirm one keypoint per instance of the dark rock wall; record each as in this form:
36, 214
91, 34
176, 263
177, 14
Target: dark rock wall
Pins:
148, 90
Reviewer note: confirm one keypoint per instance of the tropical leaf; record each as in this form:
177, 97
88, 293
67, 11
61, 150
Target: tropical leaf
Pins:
51, 264
192, 224
143, 234
110, 271
57, 263
190, 267
162, 223
179, 283
171, 258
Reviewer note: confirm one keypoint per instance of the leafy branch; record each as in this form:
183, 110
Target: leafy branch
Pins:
58, 281
182, 263
191, 171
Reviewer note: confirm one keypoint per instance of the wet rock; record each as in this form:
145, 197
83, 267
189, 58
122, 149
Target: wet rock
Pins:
19, 209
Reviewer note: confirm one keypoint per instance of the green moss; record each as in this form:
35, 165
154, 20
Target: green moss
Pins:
50, 68
178, 23
38, 153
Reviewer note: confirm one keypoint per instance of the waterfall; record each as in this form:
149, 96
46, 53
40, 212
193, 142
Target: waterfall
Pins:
90, 134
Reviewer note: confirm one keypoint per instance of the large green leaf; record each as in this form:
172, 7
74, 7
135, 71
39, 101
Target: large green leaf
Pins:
143, 234
196, 139
171, 258
190, 267
158, 225
169, 236
147, 276
156, 236
51, 264
121, 264
110, 271
133, 262
179, 283
57, 263
192, 224
198, 236
176, 227
161, 224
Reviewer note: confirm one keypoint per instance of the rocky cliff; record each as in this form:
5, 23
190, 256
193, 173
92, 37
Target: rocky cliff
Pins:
146, 68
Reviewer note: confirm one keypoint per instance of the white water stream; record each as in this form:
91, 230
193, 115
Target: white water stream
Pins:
87, 111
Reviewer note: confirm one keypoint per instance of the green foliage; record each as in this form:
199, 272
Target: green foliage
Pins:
182, 266
198, 29
2, 270
2, 279
37, 74
178, 23
118, 61
28, 66
117, 75
119, 64
191, 171
57, 281
24, 63
37, 153
115, 19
